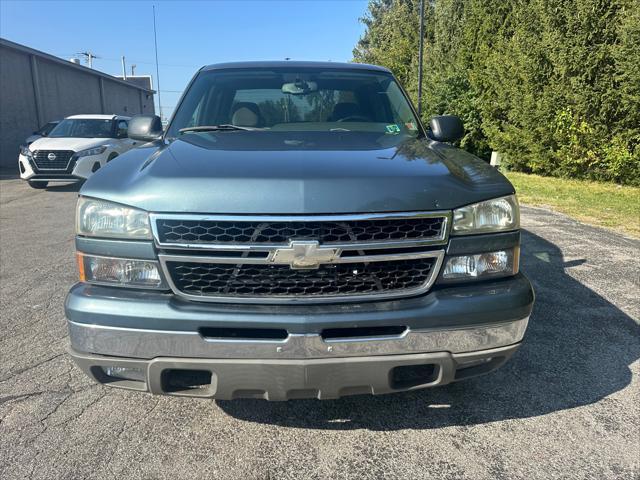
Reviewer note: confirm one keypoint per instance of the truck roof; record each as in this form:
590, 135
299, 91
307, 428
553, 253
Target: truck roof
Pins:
296, 64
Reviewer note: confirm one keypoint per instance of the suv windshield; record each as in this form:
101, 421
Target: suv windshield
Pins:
46, 129
302, 99
83, 128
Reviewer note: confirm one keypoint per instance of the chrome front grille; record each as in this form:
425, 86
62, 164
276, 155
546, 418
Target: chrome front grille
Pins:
46, 160
275, 259
280, 281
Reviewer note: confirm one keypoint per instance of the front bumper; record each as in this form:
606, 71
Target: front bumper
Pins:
449, 334
323, 378
150, 344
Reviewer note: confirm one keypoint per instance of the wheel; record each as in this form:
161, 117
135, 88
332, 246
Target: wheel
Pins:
38, 185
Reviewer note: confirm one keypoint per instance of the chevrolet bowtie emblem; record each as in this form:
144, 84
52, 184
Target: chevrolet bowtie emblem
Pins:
304, 254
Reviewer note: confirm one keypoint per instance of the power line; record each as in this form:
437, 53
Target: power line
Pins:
169, 64
132, 67
143, 62
161, 64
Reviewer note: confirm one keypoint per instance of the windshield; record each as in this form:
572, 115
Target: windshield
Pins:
83, 128
286, 100
46, 129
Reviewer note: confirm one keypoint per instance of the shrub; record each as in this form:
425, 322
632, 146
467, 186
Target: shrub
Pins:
552, 85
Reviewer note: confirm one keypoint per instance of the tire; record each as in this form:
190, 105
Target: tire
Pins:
38, 185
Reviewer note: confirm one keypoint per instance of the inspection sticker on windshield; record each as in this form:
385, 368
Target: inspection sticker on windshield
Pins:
393, 128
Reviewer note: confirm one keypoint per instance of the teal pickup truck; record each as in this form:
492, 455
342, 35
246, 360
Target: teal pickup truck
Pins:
295, 232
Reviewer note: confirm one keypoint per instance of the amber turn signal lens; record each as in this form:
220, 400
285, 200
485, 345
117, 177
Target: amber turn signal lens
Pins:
81, 274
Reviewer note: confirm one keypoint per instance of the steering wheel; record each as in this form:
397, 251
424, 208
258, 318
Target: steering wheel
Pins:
354, 118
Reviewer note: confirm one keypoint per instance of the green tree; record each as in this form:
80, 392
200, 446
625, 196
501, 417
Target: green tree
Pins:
392, 38
553, 85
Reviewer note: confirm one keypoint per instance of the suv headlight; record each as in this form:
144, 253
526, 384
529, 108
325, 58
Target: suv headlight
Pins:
24, 150
496, 215
98, 218
91, 151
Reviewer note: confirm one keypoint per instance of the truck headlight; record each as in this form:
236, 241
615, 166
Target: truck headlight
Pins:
496, 215
121, 272
503, 263
90, 151
98, 218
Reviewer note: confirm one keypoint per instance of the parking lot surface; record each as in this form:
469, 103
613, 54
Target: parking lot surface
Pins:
566, 406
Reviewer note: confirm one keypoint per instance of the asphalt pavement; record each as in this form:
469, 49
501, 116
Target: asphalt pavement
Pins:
566, 406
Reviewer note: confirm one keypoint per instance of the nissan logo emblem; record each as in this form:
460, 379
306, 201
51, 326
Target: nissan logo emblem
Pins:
51, 156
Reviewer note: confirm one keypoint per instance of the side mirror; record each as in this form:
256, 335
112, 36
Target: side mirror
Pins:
446, 128
145, 128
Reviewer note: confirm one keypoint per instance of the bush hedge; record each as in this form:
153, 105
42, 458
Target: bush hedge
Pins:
553, 85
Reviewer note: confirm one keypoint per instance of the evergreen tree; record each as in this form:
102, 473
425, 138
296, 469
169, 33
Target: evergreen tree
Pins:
551, 84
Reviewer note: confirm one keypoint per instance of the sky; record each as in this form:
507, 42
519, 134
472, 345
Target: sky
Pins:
190, 34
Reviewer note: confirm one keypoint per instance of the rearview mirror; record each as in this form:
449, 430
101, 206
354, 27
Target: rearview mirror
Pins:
145, 128
299, 87
446, 128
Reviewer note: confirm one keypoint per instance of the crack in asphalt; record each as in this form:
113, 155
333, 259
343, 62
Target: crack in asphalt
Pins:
10, 398
16, 373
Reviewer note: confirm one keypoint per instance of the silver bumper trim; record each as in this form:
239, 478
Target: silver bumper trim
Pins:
147, 344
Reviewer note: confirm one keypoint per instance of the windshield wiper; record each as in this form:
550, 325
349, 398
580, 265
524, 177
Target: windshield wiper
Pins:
216, 128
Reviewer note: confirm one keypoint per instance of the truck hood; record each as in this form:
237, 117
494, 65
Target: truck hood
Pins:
296, 173
67, 143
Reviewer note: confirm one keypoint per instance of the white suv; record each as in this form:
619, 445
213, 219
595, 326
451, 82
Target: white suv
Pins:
78, 146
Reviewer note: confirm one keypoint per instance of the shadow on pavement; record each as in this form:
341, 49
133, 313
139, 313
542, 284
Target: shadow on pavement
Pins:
577, 350
64, 187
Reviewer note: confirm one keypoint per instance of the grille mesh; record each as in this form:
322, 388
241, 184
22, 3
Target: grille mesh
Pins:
237, 232
42, 162
250, 280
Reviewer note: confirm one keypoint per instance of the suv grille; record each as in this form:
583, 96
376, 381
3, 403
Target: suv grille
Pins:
62, 160
249, 280
221, 232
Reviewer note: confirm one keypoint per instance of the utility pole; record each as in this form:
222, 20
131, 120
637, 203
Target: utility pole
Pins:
133, 70
420, 57
124, 69
88, 57
155, 41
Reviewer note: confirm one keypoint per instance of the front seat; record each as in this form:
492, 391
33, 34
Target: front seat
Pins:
246, 114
